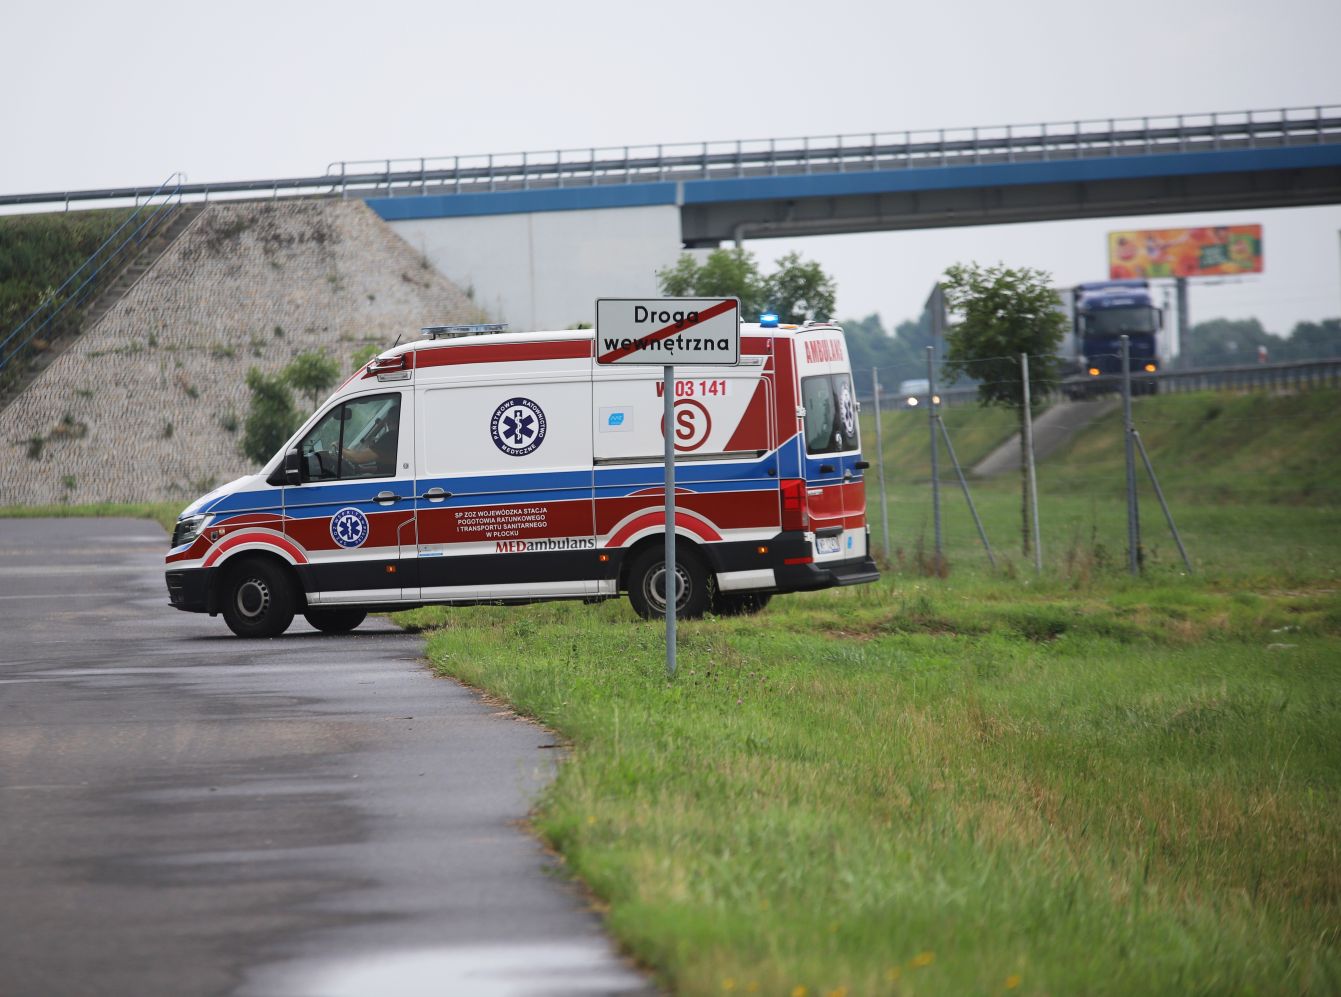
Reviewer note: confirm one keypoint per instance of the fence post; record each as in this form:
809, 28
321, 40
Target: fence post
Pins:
1029, 460
935, 468
963, 484
880, 462
1133, 511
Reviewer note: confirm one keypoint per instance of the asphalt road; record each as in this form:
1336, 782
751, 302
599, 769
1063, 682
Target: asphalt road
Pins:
183, 812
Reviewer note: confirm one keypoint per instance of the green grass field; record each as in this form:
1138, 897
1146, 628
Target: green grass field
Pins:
1077, 782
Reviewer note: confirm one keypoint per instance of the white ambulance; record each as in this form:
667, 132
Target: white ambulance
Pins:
482, 466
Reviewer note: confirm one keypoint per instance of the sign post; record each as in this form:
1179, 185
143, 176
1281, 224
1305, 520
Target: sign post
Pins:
665, 332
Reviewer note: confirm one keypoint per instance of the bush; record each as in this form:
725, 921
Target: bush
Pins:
272, 417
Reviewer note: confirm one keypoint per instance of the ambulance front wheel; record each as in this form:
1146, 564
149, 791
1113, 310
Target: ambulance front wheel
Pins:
647, 584
335, 621
257, 598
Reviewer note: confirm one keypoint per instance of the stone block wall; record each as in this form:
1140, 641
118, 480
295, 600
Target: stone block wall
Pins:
149, 404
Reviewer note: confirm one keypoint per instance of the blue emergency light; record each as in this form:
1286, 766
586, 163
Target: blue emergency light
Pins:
768, 320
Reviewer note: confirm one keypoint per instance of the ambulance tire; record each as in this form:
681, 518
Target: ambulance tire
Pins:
647, 584
740, 603
335, 621
257, 598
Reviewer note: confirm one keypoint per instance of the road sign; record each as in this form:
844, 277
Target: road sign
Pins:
668, 331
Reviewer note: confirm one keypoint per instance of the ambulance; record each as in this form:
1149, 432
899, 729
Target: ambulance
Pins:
478, 465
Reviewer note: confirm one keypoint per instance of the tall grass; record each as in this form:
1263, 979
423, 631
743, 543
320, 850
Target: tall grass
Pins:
945, 788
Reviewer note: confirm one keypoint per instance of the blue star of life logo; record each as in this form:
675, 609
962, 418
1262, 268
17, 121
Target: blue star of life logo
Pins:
349, 527
518, 427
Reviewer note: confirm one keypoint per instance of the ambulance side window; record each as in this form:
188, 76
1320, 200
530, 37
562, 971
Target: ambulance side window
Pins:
831, 413
356, 439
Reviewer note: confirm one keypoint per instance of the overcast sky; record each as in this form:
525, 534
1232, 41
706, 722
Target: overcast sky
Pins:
100, 94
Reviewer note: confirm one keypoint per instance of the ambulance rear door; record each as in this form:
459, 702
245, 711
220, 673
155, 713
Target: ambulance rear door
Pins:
835, 488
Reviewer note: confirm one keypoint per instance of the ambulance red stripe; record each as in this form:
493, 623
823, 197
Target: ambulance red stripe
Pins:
692, 524
446, 356
239, 539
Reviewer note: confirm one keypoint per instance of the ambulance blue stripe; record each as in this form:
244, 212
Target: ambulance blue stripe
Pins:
305, 502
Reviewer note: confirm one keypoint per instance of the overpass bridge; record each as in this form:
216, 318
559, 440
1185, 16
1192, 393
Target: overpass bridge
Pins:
539, 235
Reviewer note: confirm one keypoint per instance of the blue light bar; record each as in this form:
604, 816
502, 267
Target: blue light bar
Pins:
768, 320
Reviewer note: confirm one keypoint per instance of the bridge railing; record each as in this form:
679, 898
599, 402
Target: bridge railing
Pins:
867, 151
738, 158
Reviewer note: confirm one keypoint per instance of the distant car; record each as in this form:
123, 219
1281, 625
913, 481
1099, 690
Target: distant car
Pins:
913, 393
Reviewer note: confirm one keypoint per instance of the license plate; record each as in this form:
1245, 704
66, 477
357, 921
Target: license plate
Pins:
826, 545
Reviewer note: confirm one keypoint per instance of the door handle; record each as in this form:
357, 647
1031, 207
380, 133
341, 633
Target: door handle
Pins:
826, 469
437, 494
385, 498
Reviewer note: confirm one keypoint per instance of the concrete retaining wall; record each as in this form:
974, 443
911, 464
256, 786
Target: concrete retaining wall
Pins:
545, 269
149, 404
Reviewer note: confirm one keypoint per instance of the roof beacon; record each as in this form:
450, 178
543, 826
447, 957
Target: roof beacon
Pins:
453, 331
768, 320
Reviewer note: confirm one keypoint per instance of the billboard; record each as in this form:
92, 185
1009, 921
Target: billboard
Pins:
1185, 252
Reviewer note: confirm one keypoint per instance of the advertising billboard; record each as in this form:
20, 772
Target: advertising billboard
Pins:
1185, 252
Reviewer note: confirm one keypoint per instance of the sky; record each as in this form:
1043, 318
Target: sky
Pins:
103, 95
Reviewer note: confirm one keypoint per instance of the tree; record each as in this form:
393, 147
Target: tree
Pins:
870, 345
312, 374
1314, 340
724, 273
271, 419
1005, 312
363, 354
797, 291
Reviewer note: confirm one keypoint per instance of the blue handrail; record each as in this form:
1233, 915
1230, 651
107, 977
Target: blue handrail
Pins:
167, 189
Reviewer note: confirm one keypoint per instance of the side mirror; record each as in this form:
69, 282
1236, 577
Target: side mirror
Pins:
293, 468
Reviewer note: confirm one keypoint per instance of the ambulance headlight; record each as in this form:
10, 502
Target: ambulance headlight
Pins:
188, 529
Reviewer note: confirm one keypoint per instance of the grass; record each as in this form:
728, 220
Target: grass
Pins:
37, 253
163, 513
1252, 481
946, 787
996, 781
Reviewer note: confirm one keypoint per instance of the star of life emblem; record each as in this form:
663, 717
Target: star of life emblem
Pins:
518, 427
349, 527
848, 411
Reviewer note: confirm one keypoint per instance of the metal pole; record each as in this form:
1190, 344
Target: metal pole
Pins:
1029, 461
935, 463
1159, 494
880, 462
1133, 512
670, 586
1183, 328
963, 483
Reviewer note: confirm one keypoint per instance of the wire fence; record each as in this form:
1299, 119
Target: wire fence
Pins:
949, 484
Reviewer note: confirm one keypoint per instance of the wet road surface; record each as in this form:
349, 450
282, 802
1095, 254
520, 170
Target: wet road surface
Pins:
183, 812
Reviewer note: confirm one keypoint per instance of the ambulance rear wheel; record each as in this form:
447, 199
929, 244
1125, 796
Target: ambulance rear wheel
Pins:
647, 584
335, 621
257, 599
740, 603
